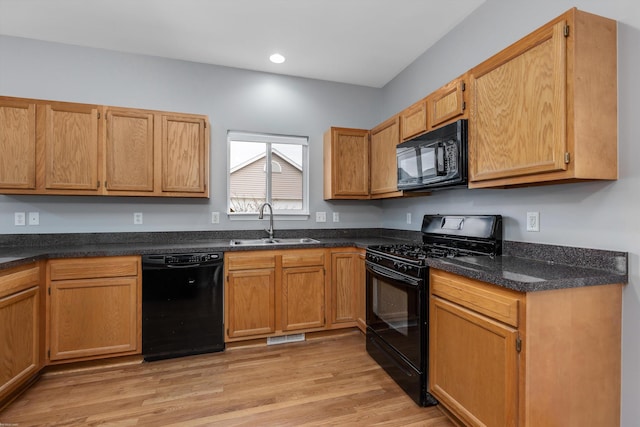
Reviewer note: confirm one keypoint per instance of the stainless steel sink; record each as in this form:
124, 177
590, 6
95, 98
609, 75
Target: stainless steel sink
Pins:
295, 240
274, 241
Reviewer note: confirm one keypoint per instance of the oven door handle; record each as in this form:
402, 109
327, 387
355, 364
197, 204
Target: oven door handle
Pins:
392, 275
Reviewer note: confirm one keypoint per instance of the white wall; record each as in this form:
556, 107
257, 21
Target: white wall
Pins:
604, 215
232, 98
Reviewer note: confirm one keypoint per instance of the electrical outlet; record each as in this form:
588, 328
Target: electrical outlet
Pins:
336, 217
34, 218
533, 221
137, 218
321, 217
215, 217
19, 218
408, 217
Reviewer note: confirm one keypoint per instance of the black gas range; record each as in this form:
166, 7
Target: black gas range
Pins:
397, 292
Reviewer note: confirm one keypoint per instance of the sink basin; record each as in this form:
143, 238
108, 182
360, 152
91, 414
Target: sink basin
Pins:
274, 241
295, 240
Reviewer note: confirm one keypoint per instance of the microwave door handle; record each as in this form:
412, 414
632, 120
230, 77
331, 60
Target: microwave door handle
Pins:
439, 160
418, 163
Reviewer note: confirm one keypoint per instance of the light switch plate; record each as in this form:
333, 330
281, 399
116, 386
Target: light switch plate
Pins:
321, 217
336, 217
533, 221
215, 217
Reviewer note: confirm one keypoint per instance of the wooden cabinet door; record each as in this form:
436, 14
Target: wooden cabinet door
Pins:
19, 339
185, 151
345, 284
414, 120
346, 164
518, 100
447, 103
17, 144
129, 150
93, 317
473, 365
384, 166
71, 147
303, 298
250, 302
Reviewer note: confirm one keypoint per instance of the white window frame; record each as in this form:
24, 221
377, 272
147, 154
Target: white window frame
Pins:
303, 141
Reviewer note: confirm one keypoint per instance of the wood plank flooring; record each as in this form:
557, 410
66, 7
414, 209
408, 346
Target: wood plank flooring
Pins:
327, 381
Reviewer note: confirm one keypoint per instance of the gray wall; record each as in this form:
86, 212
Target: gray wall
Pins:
601, 215
232, 98
598, 215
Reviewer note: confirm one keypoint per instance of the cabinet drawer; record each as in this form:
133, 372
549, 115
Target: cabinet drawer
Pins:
17, 279
302, 258
492, 301
250, 261
82, 268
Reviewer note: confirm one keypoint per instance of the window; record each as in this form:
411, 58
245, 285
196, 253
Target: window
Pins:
267, 168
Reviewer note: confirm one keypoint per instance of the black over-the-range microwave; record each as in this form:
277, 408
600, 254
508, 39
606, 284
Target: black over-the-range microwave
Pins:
434, 160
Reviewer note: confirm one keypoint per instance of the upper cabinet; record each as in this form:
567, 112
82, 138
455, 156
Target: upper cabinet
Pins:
443, 105
447, 103
346, 163
70, 139
545, 108
129, 150
69, 148
17, 144
413, 120
185, 154
361, 164
384, 166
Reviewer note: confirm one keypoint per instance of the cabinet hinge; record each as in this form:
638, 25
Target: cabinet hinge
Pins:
98, 184
518, 344
49, 291
49, 354
98, 114
464, 86
464, 105
567, 157
566, 31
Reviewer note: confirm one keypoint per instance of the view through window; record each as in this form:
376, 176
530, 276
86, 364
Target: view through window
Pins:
267, 168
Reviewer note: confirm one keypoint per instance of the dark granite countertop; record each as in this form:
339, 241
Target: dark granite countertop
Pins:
22, 249
527, 275
524, 267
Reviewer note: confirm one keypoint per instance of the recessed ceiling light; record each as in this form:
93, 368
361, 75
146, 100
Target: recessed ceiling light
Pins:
276, 58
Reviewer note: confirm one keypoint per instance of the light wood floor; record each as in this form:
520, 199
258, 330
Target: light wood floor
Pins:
327, 381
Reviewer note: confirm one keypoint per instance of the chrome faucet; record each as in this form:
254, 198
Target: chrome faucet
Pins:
261, 215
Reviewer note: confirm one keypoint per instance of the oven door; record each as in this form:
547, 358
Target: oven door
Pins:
396, 312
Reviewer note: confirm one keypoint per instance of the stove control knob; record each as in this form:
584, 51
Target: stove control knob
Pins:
401, 267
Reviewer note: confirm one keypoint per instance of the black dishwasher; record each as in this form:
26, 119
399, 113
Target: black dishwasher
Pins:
182, 305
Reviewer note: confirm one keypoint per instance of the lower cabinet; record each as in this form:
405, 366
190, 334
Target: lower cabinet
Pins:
498, 357
19, 328
94, 307
303, 298
347, 287
250, 294
277, 292
272, 293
